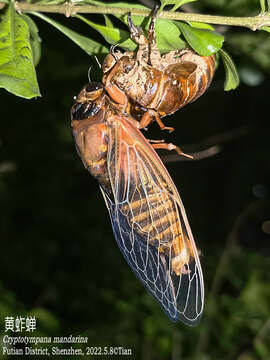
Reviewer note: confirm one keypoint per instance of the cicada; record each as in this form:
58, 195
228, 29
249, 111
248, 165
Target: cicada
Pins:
147, 215
151, 85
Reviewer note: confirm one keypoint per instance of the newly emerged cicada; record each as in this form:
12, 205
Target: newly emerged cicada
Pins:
148, 218
151, 85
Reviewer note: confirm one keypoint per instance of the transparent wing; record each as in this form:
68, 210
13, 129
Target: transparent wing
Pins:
150, 224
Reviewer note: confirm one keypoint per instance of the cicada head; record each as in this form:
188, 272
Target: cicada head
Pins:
89, 92
108, 63
88, 102
125, 63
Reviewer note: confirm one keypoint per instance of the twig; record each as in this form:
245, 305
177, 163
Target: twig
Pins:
69, 9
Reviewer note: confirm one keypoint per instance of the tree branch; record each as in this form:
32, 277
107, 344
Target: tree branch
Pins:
69, 9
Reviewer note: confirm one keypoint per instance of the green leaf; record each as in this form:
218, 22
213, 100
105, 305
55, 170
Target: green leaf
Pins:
138, 20
232, 77
176, 3
167, 33
265, 28
124, 42
204, 42
108, 21
168, 36
90, 46
128, 45
200, 25
265, 5
111, 35
35, 40
17, 71
262, 2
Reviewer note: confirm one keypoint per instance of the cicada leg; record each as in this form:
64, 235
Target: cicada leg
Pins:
147, 51
154, 56
171, 147
155, 141
137, 35
148, 117
161, 125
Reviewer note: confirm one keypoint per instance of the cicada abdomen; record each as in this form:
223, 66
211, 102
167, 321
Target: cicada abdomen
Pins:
186, 80
153, 212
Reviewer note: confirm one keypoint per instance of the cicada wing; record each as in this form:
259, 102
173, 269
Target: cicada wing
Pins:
150, 224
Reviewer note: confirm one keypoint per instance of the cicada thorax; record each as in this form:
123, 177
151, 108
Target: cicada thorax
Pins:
90, 131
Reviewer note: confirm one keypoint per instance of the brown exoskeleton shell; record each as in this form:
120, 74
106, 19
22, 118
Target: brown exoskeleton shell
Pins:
151, 85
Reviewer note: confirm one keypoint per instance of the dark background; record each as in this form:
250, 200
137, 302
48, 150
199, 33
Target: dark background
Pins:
58, 258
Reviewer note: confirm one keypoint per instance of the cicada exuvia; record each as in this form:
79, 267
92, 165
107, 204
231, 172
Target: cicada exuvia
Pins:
151, 85
148, 218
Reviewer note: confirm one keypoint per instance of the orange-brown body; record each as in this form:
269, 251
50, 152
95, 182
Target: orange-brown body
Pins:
91, 134
91, 137
147, 214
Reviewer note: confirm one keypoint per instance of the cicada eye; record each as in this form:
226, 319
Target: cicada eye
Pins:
93, 90
81, 111
93, 86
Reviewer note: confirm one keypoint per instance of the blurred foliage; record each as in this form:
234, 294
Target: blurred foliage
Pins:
58, 258
232, 7
251, 48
